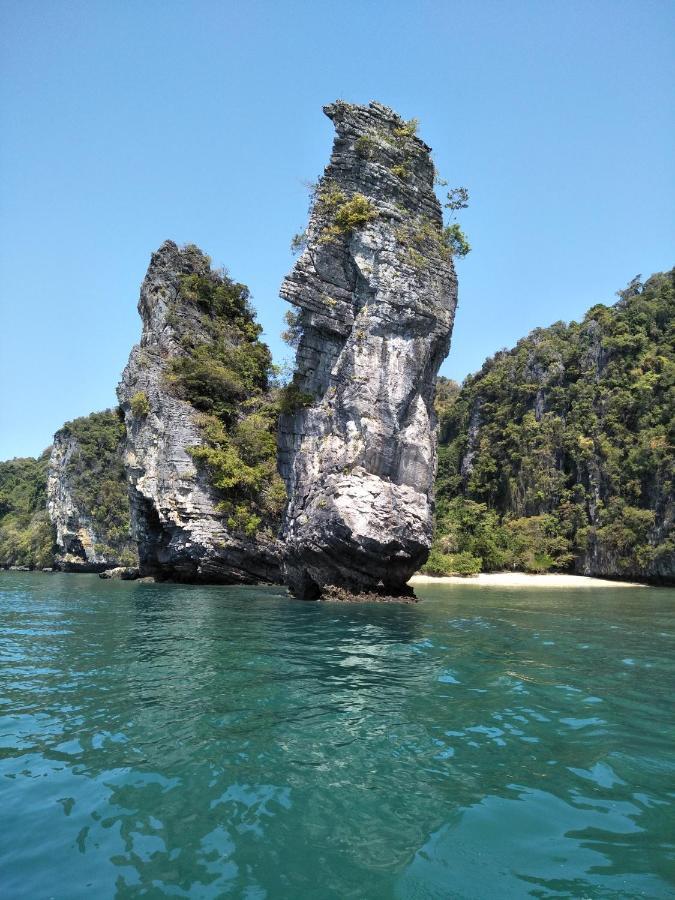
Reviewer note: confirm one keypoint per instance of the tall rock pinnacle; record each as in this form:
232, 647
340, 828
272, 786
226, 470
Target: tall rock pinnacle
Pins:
198, 491
376, 291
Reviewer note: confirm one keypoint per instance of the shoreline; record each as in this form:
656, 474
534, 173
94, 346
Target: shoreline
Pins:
524, 579
484, 579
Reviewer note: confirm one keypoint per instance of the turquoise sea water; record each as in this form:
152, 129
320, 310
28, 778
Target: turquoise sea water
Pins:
181, 741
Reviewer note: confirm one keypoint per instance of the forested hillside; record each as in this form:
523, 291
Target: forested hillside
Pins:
26, 534
558, 454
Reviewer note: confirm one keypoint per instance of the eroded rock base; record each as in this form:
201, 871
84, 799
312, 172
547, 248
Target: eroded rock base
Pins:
333, 594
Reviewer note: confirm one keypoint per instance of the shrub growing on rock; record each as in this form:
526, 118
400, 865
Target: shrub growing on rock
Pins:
226, 372
140, 405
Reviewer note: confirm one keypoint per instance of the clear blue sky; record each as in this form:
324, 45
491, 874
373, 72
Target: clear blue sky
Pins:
124, 123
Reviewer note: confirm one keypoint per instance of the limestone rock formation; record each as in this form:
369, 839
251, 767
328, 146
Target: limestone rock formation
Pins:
376, 291
87, 496
181, 531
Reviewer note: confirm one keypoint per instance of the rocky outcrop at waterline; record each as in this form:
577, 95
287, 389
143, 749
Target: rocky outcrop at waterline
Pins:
122, 573
375, 291
202, 507
87, 497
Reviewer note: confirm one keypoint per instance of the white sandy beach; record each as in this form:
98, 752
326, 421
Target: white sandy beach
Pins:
523, 579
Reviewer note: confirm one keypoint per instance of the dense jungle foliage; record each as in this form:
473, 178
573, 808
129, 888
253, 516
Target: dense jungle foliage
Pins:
227, 375
97, 479
26, 534
558, 454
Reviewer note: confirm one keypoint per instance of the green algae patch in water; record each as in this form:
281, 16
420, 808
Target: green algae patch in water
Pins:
203, 742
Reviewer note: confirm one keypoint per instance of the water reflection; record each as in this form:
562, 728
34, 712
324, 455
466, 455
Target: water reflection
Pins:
203, 741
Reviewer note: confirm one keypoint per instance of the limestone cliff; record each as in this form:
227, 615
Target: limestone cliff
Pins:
175, 385
376, 292
87, 496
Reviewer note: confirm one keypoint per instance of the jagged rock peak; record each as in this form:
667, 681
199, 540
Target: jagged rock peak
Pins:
160, 287
172, 391
376, 291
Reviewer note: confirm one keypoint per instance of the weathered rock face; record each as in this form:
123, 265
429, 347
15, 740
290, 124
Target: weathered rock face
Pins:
87, 496
180, 531
376, 292
76, 538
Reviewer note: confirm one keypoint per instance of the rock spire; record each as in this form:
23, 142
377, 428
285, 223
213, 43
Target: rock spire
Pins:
375, 290
183, 531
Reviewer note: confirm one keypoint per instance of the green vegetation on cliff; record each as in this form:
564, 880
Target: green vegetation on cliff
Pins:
227, 375
96, 478
26, 535
558, 454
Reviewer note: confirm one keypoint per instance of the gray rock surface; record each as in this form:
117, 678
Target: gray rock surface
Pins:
121, 573
376, 306
180, 533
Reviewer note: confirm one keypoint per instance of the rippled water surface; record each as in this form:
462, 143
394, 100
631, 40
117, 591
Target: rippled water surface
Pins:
206, 742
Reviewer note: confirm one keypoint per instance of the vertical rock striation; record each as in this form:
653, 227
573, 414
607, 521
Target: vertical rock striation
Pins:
176, 512
376, 291
87, 496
